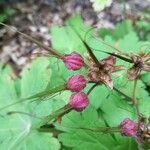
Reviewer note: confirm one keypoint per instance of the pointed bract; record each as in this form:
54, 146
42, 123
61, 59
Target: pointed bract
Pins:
104, 73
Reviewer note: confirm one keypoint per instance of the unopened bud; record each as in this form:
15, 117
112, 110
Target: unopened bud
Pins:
79, 101
129, 127
76, 83
73, 61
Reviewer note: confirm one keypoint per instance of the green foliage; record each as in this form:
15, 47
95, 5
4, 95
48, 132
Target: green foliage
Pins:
119, 32
114, 106
146, 78
6, 13
80, 139
107, 107
17, 129
143, 27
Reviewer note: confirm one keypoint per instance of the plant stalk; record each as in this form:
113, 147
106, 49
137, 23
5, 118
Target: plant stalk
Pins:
52, 117
38, 96
30, 38
103, 129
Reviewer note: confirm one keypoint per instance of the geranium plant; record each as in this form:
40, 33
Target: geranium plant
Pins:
89, 94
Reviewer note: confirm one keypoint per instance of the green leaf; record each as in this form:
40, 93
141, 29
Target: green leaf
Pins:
146, 78
6, 13
18, 131
124, 43
81, 139
99, 5
119, 32
116, 109
96, 97
141, 94
35, 81
65, 39
36, 78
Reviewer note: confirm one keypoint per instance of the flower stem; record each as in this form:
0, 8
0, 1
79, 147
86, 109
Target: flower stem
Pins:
52, 130
52, 117
103, 129
23, 113
38, 96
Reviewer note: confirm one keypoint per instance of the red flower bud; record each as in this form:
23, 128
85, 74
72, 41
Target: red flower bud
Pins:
73, 61
76, 83
79, 101
129, 127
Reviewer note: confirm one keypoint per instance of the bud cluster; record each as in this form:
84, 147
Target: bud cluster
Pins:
76, 83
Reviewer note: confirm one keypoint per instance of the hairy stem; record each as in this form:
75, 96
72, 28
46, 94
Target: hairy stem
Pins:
52, 130
23, 113
52, 117
30, 38
37, 96
103, 129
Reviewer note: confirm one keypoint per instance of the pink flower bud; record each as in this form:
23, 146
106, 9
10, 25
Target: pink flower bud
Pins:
129, 127
76, 83
73, 61
79, 101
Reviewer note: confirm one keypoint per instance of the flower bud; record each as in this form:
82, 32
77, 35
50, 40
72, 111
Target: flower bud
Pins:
76, 83
73, 61
79, 101
129, 127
